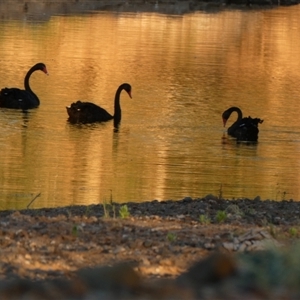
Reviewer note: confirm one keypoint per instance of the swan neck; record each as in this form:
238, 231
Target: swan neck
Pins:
26, 80
239, 112
117, 113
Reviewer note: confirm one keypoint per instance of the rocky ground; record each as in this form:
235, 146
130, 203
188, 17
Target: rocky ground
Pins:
206, 248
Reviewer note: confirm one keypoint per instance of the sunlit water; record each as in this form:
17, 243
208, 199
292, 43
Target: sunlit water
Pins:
185, 70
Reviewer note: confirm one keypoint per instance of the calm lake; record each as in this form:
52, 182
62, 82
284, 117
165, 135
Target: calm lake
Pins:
185, 70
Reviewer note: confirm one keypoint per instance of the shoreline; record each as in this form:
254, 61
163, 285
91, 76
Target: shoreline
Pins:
169, 208
32, 10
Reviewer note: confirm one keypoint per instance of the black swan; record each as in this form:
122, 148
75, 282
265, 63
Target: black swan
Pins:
22, 99
87, 112
243, 129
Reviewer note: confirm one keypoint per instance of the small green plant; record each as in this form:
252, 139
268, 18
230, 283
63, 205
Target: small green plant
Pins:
111, 198
204, 219
109, 207
171, 237
273, 231
221, 216
87, 211
106, 209
75, 230
293, 232
114, 210
68, 213
250, 211
233, 208
124, 212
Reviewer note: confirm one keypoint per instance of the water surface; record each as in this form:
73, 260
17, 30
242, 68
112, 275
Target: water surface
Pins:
185, 70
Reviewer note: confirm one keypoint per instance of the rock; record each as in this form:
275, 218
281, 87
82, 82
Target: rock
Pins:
211, 197
255, 239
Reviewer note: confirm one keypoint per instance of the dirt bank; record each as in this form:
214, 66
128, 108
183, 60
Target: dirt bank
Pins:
158, 241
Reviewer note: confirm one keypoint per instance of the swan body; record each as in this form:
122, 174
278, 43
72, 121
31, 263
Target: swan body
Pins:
88, 112
243, 129
247, 129
22, 99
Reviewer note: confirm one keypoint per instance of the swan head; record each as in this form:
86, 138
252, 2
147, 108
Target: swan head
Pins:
42, 67
225, 116
127, 88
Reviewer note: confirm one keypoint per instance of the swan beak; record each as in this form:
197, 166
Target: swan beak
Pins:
224, 122
129, 93
45, 71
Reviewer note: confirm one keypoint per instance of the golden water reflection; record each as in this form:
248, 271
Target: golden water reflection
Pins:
184, 70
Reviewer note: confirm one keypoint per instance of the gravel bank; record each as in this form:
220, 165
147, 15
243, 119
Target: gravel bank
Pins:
150, 245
